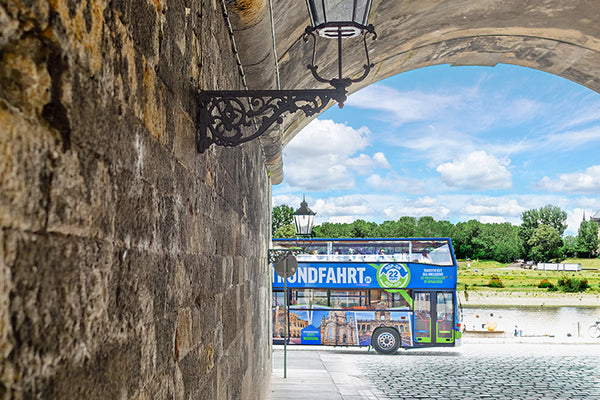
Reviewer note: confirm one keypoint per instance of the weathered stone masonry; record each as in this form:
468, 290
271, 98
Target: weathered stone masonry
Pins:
131, 267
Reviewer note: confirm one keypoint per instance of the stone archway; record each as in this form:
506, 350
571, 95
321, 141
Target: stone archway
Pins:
551, 36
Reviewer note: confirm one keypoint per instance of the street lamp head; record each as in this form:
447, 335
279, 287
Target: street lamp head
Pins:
339, 19
304, 219
334, 18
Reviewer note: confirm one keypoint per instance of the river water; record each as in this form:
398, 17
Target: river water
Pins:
534, 321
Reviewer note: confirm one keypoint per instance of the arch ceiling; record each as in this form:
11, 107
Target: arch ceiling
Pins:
556, 36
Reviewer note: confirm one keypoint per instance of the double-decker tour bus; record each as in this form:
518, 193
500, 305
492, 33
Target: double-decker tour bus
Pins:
384, 293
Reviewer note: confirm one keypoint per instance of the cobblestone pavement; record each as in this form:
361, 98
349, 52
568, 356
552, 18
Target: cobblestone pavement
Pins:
487, 371
474, 371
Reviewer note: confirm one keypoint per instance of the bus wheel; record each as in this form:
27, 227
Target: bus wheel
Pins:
386, 341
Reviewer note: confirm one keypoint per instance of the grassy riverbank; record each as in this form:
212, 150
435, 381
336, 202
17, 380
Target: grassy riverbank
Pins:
520, 286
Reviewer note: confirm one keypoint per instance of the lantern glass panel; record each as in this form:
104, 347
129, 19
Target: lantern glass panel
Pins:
304, 224
339, 11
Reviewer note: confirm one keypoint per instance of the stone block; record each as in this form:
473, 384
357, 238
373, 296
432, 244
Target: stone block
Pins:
25, 170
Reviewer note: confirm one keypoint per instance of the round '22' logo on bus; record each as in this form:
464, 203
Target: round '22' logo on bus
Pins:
393, 276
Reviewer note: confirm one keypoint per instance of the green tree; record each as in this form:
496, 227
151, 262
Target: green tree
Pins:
388, 229
444, 228
285, 232
587, 239
545, 243
281, 216
333, 230
554, 217
569, 247
363, 229
507, 246
463, 234
529, 223
426, 227
407, 227
548, 215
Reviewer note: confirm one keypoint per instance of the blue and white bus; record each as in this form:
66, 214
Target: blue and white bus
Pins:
384, 293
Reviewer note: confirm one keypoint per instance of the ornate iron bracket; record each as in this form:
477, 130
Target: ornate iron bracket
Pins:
225, 117
230, 118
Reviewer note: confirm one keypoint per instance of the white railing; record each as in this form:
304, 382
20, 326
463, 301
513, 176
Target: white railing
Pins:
374, 258
558, 267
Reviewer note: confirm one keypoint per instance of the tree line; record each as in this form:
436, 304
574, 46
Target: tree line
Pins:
538, 238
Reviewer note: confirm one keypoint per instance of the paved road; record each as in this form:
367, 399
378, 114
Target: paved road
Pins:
475, 371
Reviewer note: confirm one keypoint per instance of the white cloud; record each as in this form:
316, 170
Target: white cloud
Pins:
493, 207
380, 160
323, 157
340, 208
562, 141
574, 219
477, 170
583, 110
587, 203
401, 107
287, 199
572, 139
323, 137
424, 206
363, 164
392, 182
587, 181
491, 219
342, 219
432, 144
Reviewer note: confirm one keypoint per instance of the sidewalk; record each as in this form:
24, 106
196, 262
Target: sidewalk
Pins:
309, 376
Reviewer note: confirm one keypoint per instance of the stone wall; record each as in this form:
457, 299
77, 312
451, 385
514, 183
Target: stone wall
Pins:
131, 267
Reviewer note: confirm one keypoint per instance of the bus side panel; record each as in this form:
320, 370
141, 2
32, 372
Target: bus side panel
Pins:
368, 321
340, 327
343, 327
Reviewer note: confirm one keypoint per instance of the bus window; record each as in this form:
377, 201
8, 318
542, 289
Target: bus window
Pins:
382, 299
400, 300
320, 298
301, 298
349, 299
309, 297
278, 299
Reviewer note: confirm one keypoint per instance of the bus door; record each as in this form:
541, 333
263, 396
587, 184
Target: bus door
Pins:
444, 324
422, 317
433, 317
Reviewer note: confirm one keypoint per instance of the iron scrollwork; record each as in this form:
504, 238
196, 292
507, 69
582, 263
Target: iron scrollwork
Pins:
276, 255
226, 116
230, 118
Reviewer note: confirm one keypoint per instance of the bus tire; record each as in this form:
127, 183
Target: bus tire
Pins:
386, 340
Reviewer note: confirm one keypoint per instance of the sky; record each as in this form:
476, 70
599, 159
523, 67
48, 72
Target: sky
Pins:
453, 143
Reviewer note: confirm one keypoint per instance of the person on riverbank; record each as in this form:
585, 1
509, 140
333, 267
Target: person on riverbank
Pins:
518, 332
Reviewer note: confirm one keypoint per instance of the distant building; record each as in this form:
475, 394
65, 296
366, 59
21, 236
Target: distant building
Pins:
595, 218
